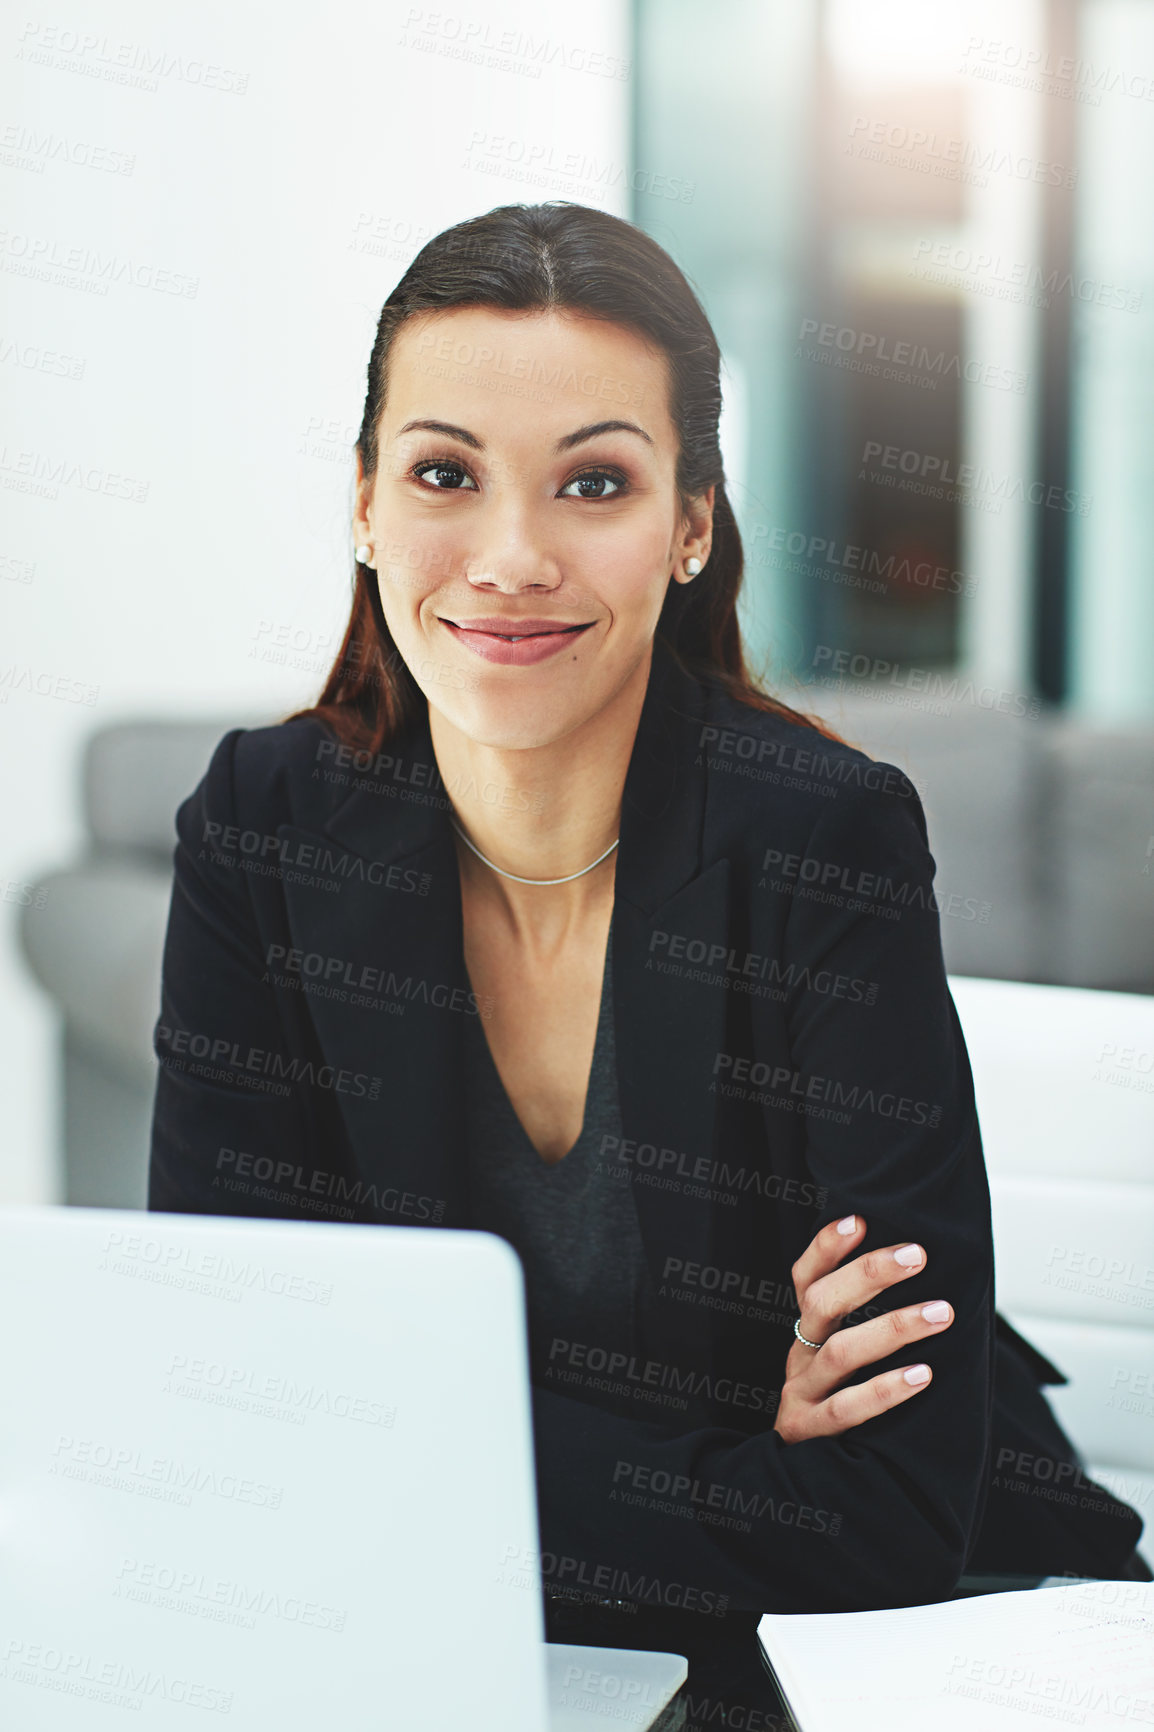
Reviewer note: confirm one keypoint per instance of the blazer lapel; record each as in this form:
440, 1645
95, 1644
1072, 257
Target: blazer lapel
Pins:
668, 1025
397, 1014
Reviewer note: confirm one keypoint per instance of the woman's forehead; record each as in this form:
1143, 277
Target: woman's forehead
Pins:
561, 366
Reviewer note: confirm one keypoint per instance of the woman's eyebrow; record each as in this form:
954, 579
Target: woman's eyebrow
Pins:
563, 444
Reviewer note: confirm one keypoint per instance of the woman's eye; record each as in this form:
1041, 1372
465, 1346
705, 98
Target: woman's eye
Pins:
443, 468
593, 478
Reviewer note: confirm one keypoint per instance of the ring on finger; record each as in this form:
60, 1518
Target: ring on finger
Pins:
802, 1338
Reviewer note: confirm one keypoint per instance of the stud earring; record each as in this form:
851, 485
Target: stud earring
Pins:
363, 554
693, 566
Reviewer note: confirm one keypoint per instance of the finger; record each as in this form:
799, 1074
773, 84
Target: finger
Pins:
862, 1401
848, 1350
826, 1250
832, 1297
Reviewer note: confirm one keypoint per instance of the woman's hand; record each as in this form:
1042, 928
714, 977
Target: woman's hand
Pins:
814, 1402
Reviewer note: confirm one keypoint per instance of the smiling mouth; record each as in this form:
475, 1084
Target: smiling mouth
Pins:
520, 637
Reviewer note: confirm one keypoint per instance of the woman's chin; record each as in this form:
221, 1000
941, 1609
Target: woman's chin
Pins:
513, 727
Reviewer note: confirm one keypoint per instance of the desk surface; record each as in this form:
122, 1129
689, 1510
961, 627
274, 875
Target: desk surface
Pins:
729, 1683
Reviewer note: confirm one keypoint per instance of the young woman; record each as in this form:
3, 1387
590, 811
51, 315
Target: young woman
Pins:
548, 920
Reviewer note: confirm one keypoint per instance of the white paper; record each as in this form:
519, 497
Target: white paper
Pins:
1074, 1656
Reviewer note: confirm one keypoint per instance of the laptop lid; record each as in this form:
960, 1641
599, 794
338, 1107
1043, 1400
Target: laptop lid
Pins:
279, 1472
627, 1688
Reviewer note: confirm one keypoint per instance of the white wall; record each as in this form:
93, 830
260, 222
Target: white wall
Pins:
283, 165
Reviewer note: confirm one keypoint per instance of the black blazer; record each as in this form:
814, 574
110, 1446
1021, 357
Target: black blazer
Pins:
788, 1053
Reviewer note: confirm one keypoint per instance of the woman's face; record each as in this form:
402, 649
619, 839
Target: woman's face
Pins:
514, 514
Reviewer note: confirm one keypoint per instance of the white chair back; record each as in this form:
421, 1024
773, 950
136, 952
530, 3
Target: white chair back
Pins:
1064, 1080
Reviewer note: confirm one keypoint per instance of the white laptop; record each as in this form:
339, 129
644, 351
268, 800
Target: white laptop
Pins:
281, 1473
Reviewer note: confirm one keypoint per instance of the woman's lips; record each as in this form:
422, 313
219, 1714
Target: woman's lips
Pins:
518, 648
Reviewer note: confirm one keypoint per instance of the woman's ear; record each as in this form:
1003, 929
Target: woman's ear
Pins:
698, 531
362, 529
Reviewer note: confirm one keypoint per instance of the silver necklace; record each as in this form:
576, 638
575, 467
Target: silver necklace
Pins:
514, 876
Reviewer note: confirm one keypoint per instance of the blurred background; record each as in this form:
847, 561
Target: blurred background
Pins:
923, 234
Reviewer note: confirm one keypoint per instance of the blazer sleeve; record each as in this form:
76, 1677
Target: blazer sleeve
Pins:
887, 1513
234, 1131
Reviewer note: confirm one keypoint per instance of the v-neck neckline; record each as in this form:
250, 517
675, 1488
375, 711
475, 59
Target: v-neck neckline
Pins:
511, 1110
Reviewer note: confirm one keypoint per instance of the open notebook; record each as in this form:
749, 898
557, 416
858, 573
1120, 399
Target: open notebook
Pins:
1080, 1656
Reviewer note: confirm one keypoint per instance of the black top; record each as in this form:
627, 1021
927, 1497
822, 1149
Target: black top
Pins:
572, 1222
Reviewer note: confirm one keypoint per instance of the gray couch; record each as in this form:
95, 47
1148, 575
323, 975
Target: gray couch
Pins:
1043, 833
1048, 820
96, 946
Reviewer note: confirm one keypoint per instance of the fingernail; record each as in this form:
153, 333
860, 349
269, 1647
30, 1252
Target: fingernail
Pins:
909, 1256
917, 1374
848, 1225
937, 1312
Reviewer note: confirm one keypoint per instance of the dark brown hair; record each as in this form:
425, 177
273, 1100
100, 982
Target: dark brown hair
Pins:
565, 257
